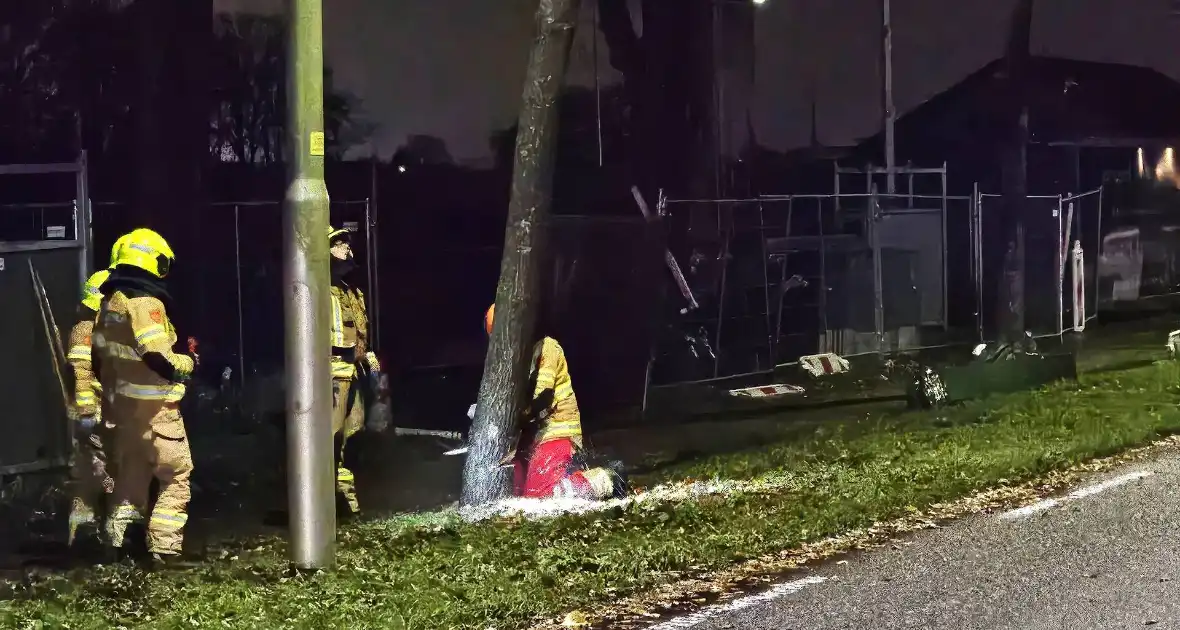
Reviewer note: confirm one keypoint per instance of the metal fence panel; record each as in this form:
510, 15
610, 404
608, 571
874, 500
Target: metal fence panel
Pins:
876, 271
1042, 255
36, 433
1082, 221
229, 293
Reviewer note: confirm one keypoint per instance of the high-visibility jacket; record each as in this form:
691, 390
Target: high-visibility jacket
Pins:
562, 418
128, 330
87, 389
350, 332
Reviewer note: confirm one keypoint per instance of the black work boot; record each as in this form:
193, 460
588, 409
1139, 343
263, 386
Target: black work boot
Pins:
621, 487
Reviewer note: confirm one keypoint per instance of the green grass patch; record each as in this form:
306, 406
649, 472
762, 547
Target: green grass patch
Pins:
436, 572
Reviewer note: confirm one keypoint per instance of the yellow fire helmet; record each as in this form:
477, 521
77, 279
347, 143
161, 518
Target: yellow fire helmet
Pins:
91, 295
118, 246
145, 249
335, 234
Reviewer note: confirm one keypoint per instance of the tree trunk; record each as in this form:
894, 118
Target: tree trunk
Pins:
503, 391
1015, 176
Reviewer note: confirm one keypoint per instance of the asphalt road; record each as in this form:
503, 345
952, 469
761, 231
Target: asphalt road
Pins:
1103, 556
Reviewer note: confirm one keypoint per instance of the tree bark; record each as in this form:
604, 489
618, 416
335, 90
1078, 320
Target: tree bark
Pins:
503, 391
1015, 176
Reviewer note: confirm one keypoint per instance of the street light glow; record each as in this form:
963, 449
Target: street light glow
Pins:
759, 2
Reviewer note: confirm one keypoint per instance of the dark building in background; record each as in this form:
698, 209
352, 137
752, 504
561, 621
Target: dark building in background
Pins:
1086, 119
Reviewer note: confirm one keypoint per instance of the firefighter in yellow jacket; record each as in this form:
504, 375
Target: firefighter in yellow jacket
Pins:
549, 459
351, 358
89, 478
144, 381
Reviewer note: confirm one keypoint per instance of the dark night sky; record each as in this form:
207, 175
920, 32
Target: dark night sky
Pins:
454, 68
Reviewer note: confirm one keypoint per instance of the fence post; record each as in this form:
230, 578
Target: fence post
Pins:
1098, 250
371, 271
1060, 255
721, 293
975, 228
238, 279
1079, 287
946, 300
878, 290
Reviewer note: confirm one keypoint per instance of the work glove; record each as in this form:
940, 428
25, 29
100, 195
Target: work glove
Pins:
370, 359
471, 411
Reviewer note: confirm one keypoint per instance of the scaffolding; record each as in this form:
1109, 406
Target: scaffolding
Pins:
851, 273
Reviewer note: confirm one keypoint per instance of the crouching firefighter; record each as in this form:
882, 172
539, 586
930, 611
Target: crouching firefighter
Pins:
89, 481
143, 380
351, 361
549, 459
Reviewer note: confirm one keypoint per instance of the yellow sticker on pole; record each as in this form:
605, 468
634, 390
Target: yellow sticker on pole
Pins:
317, 143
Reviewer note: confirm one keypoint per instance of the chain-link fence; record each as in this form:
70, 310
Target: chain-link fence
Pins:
805, 274
228, 291
1048, 293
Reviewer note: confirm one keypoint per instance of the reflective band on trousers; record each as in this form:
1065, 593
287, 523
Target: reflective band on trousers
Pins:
169, 519
171, 392
343, 371
79, 353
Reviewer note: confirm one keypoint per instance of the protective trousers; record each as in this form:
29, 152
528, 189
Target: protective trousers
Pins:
348, 417
150, 441
89, 481
549, 470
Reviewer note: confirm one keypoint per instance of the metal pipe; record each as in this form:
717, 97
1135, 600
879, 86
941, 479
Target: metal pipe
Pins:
305, 278
1097, 253
878, 290
823, 271
371, 274
238, 274
82, 218
597, 85
946, 317
766, 282
1060, 325
721, 300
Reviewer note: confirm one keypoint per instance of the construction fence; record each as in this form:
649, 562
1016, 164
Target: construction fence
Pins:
228, 293
779, 277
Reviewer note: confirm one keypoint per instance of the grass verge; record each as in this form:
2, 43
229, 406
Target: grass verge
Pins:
442, 573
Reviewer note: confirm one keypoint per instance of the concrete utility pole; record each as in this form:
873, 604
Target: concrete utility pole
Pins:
887, 107
503, 391
310, 485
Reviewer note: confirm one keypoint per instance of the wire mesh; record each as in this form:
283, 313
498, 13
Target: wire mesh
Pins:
228, 292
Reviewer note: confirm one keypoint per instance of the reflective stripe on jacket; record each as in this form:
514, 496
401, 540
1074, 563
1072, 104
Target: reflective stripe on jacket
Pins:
126, 331
552, 373
349, 331
86, 387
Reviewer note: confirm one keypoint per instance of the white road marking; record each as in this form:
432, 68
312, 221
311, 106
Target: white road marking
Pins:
1080, 493
775, 592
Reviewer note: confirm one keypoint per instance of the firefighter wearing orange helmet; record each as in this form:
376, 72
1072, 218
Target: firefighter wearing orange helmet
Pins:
549, 459
351, 359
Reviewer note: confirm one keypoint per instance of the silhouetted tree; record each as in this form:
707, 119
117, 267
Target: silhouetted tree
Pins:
249, 104
420, 150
